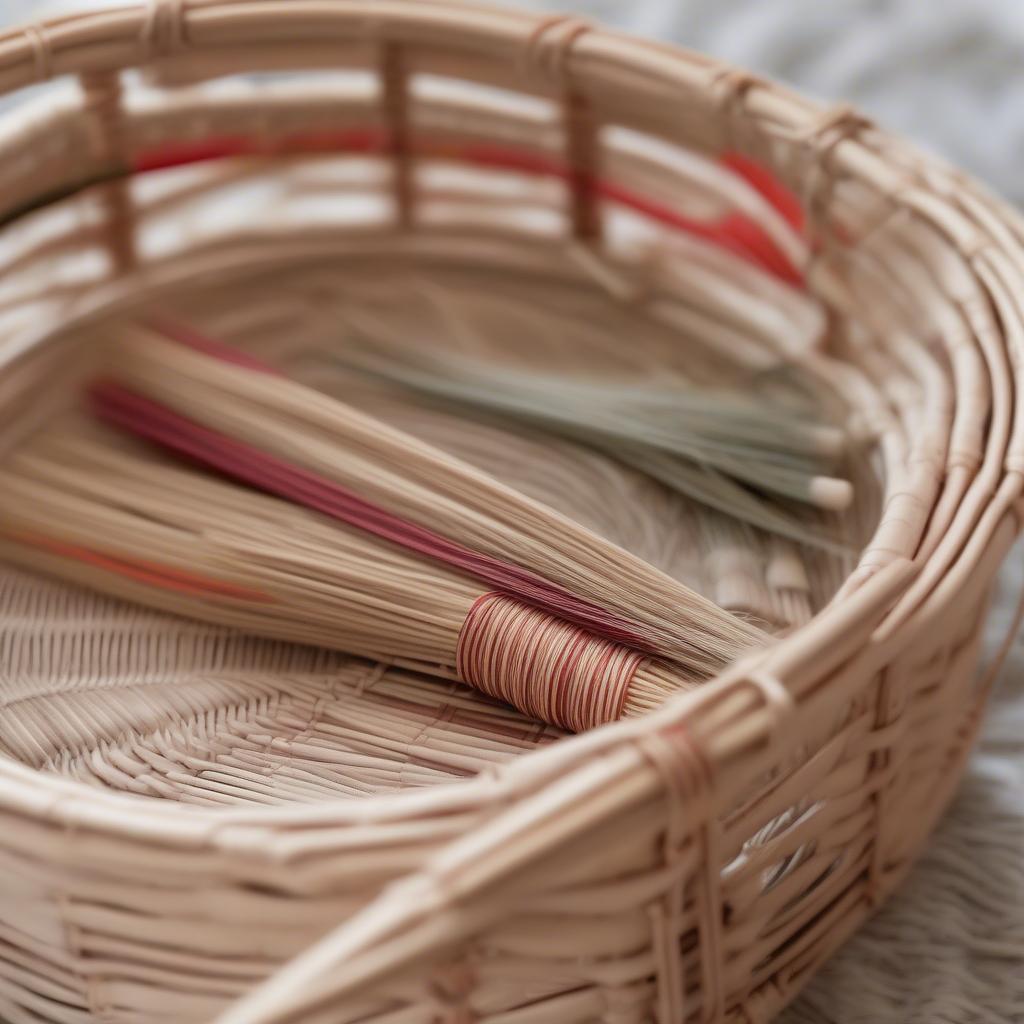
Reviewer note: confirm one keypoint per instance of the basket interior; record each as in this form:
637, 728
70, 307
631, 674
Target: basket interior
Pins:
275, 246
560, 197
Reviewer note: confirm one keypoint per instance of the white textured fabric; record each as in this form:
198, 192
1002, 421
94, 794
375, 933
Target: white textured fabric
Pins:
949, 948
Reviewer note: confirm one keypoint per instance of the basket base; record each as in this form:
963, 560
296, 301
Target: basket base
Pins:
120, 697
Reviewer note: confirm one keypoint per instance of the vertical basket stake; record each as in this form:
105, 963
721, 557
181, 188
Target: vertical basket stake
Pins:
101, 94
547, 55
581, 143
394, 82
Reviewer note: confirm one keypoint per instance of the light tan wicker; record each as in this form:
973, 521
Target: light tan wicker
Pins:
696, 863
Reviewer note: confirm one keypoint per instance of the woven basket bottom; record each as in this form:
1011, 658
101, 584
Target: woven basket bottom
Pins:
123, 697
119, 697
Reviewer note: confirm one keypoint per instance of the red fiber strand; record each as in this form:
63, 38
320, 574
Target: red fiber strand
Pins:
735, 232
768, 185
185, 335
163, 576
164, 426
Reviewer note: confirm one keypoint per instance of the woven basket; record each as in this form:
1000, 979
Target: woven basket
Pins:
698, 863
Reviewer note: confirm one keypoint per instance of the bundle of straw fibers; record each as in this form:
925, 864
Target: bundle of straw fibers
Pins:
386, 547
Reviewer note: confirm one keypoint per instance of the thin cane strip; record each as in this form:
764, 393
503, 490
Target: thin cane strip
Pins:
542, 665
395, 100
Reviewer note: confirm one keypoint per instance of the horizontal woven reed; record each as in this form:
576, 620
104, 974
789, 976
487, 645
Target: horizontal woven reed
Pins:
195, 825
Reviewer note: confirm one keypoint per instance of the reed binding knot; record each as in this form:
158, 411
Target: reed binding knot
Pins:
819, 140
42, 52
778, 702
451, 985
690, 818
834, 125
728, 89
542, 665
163, 31
549, 46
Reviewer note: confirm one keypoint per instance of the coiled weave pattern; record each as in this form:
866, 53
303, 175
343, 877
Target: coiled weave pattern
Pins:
544, 665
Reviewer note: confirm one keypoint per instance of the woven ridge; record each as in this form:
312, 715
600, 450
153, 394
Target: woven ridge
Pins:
202, 848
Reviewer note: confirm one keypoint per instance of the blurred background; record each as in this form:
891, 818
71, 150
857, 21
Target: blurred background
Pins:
950, 947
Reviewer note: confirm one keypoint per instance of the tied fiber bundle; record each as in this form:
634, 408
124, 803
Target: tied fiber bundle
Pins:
553, 636
645, 461
763, 577
711, 446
